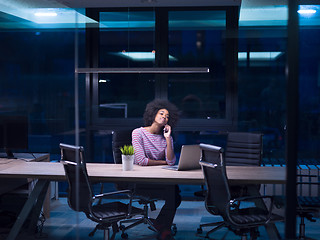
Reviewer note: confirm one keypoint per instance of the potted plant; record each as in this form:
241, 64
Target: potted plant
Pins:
127, 157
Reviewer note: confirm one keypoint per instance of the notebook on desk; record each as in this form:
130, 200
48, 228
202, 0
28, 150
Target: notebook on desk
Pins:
189, 158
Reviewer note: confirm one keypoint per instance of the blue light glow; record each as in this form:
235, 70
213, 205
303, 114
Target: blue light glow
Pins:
141, 56
45, 14
259, 56
307, 11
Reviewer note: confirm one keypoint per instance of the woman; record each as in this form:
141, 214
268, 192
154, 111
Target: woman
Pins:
153, 145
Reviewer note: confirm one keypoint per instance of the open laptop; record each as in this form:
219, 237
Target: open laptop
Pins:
189, 158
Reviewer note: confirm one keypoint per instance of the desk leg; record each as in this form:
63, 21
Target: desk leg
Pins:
34, 203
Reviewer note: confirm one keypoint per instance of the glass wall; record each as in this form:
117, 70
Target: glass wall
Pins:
174, 38
37, 80
262, 80
197, 39
38, 60
126, 41
309, 84
262, 86
142, 39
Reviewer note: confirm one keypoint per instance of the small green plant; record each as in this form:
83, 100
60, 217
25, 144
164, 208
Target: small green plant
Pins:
127, 150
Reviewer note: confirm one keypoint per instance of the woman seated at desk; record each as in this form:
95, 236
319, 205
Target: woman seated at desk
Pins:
153, 145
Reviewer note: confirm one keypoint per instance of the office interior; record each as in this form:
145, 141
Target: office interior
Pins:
80, 70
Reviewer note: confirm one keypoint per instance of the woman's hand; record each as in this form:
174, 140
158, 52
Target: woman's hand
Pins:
167, 131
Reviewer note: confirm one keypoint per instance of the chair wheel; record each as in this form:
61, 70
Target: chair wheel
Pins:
174, 229
124, 235
199, 230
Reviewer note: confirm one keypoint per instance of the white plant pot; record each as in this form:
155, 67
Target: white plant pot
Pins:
127, 162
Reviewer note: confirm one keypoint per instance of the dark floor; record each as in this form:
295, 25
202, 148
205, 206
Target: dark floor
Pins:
66, 224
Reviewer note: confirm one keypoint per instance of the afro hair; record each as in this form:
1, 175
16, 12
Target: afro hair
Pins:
153, 107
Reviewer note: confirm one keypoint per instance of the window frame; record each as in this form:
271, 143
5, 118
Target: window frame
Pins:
94, 122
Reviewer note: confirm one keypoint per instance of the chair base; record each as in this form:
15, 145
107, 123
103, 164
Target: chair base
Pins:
106, 230
135, 222
217, 224
254, 233
302, 226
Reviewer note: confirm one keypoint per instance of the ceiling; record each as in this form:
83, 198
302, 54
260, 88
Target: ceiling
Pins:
116, 3
70, 13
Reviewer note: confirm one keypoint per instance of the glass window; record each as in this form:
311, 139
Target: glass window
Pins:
124, 95
197, 39
127, 39
198, 96
309, 84
37, 79
262, 80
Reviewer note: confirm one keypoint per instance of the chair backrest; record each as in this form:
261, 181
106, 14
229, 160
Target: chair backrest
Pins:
119, 139
243, 148
79, 188
214, 171
72, 153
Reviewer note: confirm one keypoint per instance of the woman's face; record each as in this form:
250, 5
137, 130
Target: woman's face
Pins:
162, 117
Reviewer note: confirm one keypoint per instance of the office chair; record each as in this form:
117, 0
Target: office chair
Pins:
119, 139
81, 198
242, 148
307, 207
240, 220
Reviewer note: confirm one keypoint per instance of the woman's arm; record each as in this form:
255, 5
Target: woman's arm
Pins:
152, 162
137, 143
170, 156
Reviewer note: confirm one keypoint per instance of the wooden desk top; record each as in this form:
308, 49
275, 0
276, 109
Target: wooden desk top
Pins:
10, 183
23, 157
113, 173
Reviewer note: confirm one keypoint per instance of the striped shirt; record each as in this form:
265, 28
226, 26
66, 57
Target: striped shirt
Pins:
149, 146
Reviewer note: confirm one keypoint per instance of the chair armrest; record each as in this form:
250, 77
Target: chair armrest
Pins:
144, 200
243, 199
101, 195
233, 202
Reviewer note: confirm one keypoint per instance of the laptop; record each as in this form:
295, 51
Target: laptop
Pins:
189, 158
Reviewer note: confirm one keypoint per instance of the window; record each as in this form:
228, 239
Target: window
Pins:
197, 39
172, 38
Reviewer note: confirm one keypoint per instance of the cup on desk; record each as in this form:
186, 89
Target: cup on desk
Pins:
127, 162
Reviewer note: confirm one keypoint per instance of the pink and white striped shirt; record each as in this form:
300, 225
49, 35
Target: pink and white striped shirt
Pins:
149, 146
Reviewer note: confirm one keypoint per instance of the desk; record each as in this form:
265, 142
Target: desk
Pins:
152, 174
52, 171
10, 184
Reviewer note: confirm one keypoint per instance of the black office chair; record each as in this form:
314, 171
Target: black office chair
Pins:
308, 207
240, 220
81, 198
119, 139
242, 149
